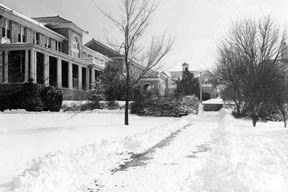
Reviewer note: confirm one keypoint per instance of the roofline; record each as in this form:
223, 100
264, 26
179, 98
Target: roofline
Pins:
66, 21
96, 53
30, 20
118, 55
102, 45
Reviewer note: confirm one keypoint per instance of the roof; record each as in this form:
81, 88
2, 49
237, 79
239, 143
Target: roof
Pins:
101, 48
96, 54
111, 53
59, 22
33, 23
52, 20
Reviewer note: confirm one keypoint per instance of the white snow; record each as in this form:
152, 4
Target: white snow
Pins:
65, 151
245, 158
74, 152
169, 167
213, 101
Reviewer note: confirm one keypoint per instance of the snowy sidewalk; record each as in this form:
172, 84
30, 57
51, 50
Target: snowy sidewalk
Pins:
169, 166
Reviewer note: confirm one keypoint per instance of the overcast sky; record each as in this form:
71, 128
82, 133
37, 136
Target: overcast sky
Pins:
197, 24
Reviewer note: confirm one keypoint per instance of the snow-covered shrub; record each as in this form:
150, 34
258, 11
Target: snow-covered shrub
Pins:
166, 106
190, 103
113, 105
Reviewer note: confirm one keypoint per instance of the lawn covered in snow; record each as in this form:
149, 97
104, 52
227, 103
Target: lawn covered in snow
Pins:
79, 151
38, 142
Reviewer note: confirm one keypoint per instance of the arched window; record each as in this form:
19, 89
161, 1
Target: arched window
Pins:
147, 87
75, 47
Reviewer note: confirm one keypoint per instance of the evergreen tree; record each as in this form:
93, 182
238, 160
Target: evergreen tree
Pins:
188, 85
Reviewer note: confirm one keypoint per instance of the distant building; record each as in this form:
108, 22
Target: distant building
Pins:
208, 80
154, 81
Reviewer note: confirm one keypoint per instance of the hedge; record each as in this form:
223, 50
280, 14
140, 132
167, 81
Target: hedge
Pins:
166, 106
30, 96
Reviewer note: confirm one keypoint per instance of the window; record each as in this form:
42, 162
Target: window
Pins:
19, 37
3, 32
75, 47
58, 46
22, 34
37, 38
49, 43
6, 29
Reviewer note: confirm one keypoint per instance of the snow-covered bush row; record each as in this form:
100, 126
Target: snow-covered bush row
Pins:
243, 161
75, 170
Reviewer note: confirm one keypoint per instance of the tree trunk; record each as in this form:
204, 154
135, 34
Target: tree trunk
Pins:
126, 116
126, 121
254, 117
284, 117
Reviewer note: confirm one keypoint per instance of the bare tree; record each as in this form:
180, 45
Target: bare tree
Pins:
134, 20
250, 63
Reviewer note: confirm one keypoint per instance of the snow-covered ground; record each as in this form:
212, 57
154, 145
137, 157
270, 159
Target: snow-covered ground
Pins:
81, 152
245, 158
46, 144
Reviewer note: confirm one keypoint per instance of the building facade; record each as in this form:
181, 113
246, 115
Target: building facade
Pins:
205, 78
154, 81
49, 51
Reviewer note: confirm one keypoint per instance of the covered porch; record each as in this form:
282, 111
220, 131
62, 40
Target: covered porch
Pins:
23, 62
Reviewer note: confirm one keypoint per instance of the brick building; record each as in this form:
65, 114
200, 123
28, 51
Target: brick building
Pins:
50, 50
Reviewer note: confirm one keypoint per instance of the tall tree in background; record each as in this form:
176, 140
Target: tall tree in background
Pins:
132, 23
250, 66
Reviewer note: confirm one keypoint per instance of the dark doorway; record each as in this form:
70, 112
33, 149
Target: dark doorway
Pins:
53, 71
40, 68
16, 66
65, 74
84, 83
75, 75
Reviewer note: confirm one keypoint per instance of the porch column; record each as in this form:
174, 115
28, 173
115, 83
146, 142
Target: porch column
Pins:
87, 79
92, 77
5, 80
79, 77
46, 69
33, 62
1, 66
26, 65
70, 76
59, 73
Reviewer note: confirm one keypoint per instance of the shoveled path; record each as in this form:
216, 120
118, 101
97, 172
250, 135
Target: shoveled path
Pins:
169, 166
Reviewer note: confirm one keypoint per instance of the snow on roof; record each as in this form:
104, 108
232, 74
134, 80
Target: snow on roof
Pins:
213, 101
52, 21
5, 8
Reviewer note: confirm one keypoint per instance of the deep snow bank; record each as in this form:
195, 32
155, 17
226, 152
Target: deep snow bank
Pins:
243, 160
74, 170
